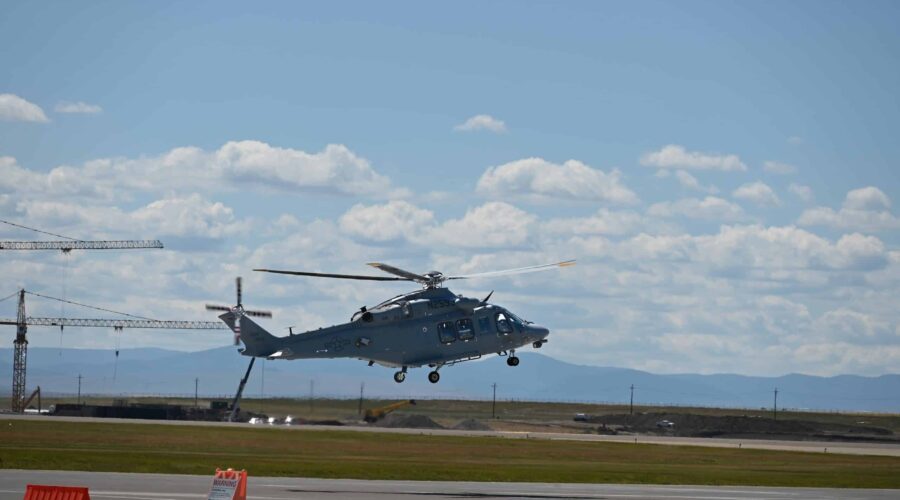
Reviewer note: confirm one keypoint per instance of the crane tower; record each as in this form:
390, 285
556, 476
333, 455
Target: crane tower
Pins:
19, 357
21, 343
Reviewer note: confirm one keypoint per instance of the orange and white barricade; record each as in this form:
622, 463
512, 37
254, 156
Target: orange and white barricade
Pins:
228, 484
42, 492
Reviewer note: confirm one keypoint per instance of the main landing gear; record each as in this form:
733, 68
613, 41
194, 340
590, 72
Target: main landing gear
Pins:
512, 360
434, 376
400, 376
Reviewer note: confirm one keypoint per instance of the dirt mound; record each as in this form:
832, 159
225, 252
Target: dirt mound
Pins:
408, 422
470, 424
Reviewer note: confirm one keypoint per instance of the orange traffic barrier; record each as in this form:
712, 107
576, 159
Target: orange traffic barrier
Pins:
41, 492
229, 484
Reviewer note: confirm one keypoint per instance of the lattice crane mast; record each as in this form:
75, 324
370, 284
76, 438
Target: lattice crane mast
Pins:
21, 343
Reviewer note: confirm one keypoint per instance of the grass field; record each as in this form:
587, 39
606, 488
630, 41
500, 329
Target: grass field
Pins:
48, 444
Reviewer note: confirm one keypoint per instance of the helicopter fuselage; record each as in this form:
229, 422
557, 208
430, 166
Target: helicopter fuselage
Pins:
432, 327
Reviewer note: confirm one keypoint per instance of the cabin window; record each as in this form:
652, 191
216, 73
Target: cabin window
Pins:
447, 332
504, 325
484, 325
465, 329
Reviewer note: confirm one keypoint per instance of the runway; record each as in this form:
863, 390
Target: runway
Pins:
118, 486
850, 448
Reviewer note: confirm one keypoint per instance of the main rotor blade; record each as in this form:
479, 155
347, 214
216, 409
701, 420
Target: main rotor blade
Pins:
259, 314
398, 272
211, 307
518, 270
330, 275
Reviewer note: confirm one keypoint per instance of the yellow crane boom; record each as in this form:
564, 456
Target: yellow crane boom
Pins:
376, 414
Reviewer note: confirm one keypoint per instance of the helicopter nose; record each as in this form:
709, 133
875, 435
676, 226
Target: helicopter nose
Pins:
539, 331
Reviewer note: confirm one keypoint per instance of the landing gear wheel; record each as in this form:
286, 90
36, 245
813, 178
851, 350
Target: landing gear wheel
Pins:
434, 376
512, 361
537, 345
399, 377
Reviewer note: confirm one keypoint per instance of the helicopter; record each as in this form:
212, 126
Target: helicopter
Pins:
430, 327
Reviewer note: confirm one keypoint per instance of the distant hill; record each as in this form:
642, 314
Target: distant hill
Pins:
158, 371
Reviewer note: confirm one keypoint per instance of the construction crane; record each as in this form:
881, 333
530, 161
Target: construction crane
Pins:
375, 414
21, 343
68, 244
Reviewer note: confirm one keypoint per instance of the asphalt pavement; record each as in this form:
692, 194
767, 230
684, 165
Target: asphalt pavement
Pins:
121, 486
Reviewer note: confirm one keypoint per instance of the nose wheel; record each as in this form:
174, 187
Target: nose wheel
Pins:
512, 361
434, 376
400, 376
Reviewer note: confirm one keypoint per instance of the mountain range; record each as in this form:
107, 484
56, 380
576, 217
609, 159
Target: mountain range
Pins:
149, 371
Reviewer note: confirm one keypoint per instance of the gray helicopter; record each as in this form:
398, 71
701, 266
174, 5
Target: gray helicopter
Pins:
428, 327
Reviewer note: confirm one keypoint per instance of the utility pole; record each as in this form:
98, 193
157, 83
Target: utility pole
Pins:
196, 387
631, 402
79, 389
494, 405
362, 385
775, 406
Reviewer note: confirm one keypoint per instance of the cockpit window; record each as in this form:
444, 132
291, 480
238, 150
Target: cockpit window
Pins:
447, 332
465, 329
504, 325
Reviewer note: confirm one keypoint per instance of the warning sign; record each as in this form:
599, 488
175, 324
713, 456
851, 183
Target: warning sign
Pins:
228, 485
223, 489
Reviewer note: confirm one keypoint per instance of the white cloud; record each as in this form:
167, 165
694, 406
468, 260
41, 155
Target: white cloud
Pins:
77, 107
860, 220
482, 122
605, 222
777, 167
711, 208
864, 209
494, 224
573, 180
393, 220
236, 165
690, 182
675, 156
191, 216
848, 325
747, 247
805, 193
867, 198
795, 140
491, 225
758, 193
14, 108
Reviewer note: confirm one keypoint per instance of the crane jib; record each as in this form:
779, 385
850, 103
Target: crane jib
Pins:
120, 323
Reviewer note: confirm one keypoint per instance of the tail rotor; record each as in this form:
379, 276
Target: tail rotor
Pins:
238, 309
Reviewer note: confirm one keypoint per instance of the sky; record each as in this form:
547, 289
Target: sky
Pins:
725, 173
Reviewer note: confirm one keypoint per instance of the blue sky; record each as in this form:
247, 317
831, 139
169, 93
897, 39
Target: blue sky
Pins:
730, 197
